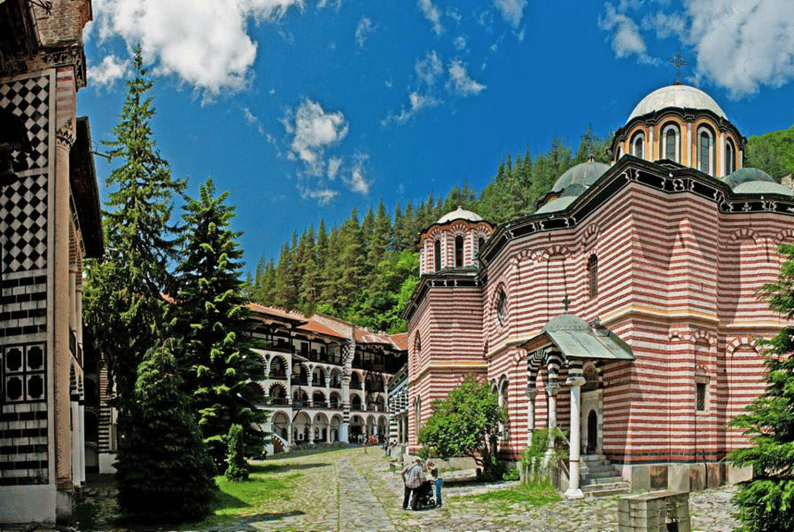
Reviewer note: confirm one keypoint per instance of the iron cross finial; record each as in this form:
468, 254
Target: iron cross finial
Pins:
678, 63
566, 302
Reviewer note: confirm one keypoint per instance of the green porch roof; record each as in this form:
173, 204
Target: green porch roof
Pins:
578, 339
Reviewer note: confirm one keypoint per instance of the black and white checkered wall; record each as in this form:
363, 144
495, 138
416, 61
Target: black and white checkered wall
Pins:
24, 401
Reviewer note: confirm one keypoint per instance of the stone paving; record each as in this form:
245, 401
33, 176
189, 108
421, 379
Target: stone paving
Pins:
354, 490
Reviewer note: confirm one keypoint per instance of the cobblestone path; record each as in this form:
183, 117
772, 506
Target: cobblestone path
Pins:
356, 490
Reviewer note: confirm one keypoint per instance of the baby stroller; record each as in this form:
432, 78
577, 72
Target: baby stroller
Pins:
424, 496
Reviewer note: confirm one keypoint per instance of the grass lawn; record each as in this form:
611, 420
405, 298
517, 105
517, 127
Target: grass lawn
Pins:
523, 496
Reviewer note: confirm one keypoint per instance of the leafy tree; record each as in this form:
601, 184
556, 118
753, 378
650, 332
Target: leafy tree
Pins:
163, 471
766, 503
393, 282
773, 152
466, 423
237, 468
211, 315
122, 305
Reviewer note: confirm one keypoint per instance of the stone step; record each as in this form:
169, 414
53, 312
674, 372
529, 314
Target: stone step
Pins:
602, 480
605, 490
606, 472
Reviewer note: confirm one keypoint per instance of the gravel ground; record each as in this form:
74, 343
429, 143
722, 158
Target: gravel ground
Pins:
354, 490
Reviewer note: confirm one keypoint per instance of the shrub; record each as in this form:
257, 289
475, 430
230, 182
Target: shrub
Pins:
238, 467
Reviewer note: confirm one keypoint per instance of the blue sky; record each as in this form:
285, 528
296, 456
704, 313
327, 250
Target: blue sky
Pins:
306, 109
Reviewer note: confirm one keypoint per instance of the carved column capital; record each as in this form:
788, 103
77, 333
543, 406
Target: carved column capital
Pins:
65, 135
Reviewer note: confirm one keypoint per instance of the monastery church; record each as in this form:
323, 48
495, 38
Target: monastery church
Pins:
623, 311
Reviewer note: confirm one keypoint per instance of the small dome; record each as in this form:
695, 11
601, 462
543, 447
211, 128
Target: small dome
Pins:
555, 205
746, 175
582, 174
566, 322
762, 187
460, 214
681, 96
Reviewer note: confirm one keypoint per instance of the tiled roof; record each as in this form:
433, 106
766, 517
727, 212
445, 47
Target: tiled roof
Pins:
400, 340
277, 313
316, 327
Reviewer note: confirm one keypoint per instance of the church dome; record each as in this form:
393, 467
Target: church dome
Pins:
460, 214
584, 174
681, 96
746, 175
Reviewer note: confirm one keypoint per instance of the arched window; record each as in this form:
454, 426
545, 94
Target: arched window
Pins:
705, 151
638, 145
480, 244
437, 254
592, 276
459, 251
730, 158
501, 307
671, 144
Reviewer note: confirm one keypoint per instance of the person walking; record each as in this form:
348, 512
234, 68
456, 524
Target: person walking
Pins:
437, 481
413, 476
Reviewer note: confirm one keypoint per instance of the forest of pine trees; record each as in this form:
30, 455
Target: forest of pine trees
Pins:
365, 270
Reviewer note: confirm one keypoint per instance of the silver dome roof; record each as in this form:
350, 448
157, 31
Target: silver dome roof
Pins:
682, 96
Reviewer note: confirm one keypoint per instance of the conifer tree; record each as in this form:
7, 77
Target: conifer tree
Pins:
766, 503
309, 290
164, 473
397, 229
211, 315
122, 301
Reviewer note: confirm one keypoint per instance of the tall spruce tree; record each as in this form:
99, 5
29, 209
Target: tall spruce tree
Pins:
122, 300
766, 503
211, 315
164, 473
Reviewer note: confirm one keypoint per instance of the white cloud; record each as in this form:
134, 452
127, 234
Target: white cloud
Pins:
664, 25
110, 70
364, 29
333, 167
357, 180
314, 130
205, 43
416, 102
253, 120
459, 81
453, 14
322, 195
626, 38
512, 11
743, 45
429, 69
460, 43
432, 14
740, 46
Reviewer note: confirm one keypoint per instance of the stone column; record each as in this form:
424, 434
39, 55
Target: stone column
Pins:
575, 381
551, 391
531, 394
61, 402
720, 170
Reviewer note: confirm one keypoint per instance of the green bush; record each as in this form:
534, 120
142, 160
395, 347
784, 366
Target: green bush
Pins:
532, 456
512, 474
238, 467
